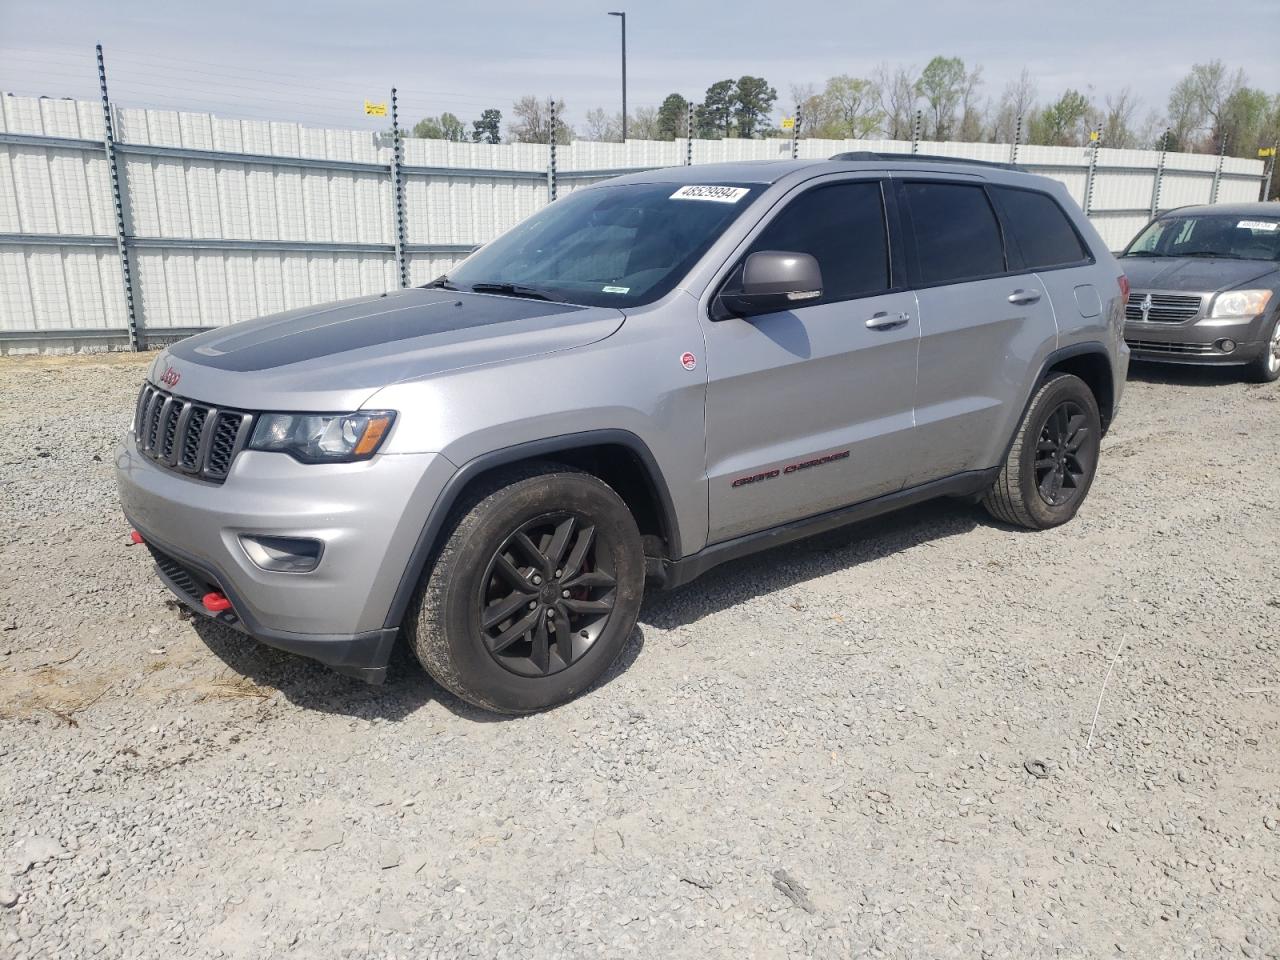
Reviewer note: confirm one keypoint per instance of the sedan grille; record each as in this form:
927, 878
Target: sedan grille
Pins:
188, 436
1165, 307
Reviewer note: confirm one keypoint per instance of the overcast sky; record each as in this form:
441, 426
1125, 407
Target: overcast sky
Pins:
315, 62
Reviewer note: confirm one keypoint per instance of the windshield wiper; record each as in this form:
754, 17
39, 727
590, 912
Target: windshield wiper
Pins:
1214, 254
512, 290
1145, 253
442, 283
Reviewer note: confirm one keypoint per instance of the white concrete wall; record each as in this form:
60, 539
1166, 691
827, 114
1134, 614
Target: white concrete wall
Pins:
59, 193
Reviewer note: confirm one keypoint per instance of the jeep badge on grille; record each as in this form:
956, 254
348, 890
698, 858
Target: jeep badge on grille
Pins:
170, 377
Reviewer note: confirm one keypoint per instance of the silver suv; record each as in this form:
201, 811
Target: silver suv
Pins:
646, 378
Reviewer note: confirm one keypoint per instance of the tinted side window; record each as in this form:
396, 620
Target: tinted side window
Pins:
842, 227
1040, 229
956, 232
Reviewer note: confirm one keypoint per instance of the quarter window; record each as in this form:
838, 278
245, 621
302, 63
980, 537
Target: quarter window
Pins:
956, 232
1040, 229
842, 226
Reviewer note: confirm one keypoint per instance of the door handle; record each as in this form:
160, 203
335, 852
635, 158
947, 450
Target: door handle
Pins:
1024, 297
887, 321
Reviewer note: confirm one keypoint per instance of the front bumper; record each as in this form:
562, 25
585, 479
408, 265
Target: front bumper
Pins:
367, 515
1198, 341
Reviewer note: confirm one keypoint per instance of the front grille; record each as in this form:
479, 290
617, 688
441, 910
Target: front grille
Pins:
188, 436
186, 580
1165, 307
1175, 349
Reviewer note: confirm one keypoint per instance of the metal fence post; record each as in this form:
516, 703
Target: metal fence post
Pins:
118, 200
915, 132
1155, 189
1271, 169
688, 137
795, 135
1217, 173
1017, 138
1093, 166
551, 153
397, 192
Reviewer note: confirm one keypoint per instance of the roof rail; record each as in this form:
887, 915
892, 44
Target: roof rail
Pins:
922, 158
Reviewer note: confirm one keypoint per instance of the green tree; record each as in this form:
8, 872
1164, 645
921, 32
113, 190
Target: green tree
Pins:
942, 86
753, 101
444, 127
428, 128
846, 107
1063, 122
488, 129
671, 117
714, 116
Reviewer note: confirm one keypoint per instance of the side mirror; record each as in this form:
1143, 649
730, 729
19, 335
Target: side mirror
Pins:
774, 280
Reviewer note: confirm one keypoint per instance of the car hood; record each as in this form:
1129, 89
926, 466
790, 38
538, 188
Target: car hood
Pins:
1193, 274
334, 357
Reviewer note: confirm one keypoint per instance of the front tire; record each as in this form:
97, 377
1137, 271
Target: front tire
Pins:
1051, 465
534, 592
1266, 368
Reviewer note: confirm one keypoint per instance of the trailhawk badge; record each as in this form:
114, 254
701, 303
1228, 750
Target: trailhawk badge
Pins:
170, 377
688, 361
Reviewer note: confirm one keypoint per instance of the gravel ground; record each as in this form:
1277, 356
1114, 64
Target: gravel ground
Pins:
874, 744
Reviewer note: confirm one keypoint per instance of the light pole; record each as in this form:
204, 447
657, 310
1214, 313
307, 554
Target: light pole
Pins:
623, 15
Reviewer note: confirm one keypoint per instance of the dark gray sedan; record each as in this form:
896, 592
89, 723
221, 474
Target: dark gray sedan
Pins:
1205, 288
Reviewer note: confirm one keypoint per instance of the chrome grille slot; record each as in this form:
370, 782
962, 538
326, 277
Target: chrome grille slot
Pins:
1183, 349
188, 436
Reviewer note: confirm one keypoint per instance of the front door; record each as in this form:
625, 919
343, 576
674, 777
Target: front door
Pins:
811, 409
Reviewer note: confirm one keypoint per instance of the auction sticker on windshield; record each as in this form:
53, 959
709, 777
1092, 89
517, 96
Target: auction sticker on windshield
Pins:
1267, 225
714, 193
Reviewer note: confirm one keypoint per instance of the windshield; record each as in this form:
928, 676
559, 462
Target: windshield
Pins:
1236, 237
617, 246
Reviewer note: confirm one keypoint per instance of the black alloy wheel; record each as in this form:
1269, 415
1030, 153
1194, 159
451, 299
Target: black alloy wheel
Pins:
1063, 462
546, 596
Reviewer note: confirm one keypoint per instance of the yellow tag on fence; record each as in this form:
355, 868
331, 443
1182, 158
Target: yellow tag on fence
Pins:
788, 123
1266, 151
375, 109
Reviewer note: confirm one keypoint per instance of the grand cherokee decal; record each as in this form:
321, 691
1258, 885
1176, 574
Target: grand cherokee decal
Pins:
791, 468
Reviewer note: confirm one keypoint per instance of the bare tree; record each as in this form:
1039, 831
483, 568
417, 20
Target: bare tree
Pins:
601, 126
898, 98
1017, 100
643, 124
973, 113
1117, 120
533, 121
1214, 86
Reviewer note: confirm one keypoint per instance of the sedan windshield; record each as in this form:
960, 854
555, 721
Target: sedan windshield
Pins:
1210, 235
618, 246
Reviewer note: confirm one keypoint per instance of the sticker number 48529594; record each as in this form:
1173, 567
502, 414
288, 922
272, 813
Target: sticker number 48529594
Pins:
710, 192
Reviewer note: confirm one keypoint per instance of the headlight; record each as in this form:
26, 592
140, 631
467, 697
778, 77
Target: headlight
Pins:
323, 438
1240, 303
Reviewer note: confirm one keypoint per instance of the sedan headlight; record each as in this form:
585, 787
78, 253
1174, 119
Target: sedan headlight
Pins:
1240, 303
323, 438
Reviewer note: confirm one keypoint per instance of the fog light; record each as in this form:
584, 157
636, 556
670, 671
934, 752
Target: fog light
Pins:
282, 554
1226, 345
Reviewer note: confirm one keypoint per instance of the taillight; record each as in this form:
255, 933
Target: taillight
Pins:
1124, 288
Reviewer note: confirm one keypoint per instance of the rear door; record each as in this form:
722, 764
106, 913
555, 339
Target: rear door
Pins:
982, 323
810, 409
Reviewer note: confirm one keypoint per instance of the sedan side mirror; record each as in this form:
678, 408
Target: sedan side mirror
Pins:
774, 280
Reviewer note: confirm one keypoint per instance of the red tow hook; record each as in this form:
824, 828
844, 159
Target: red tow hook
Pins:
215, 601
135, 537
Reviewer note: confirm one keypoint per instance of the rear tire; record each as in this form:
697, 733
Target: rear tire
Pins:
534, 592
1266, 368
1054, 457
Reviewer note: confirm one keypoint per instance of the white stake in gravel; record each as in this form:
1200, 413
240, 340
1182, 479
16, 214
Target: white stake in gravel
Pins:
1089, 745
